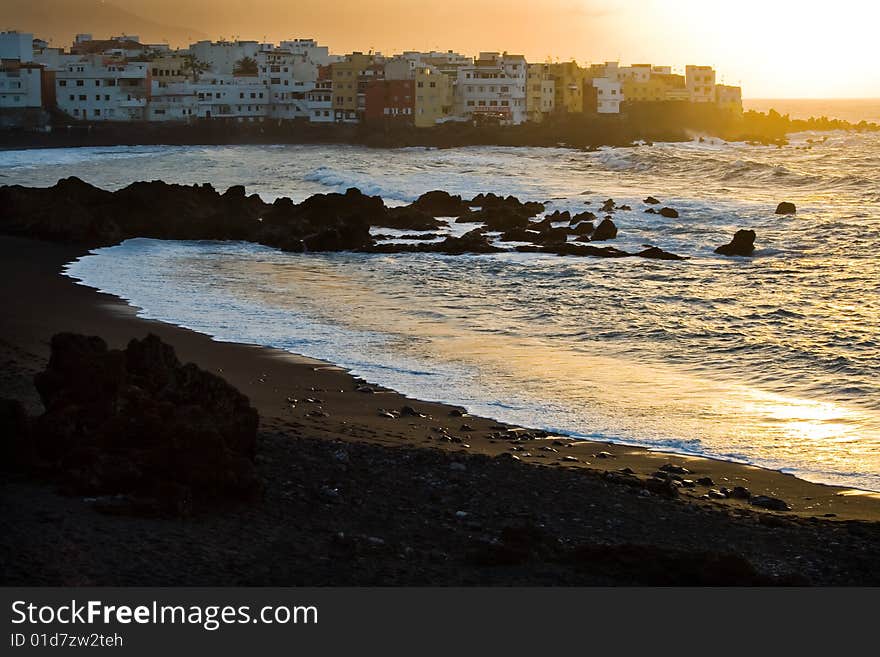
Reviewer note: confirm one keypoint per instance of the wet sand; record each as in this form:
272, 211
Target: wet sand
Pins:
308, 408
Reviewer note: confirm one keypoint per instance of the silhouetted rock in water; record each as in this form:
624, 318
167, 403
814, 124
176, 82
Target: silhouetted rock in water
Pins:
409, 217
650, 211
742, 244
420, 236
582, 216
551, 236
583, 229
656, 253
137, 422
438, 203
786, 208
518, 235
583, 250
502, 214
474, 241
669, 213
76, 212
608, 206
624, 208
606, 230
651, 201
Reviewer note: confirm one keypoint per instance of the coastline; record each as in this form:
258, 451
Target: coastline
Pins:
282, 373
40, 302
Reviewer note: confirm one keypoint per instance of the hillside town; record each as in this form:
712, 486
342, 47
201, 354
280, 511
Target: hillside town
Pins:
121, 79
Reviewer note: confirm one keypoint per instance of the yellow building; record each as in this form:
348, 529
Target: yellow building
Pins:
657, 88
433, 96
345, 76
729, 98
540, 92
568, 80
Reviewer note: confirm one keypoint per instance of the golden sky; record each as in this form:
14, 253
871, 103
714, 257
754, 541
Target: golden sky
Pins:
775, 48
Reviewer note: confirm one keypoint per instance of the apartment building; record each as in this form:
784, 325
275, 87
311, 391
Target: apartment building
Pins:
700, 82
240, 97
221, 57
434, 97
289, 77
568, 86
17, 46
729, 98
493, 88
319, 101
101, 88
172, 101
540, 92
390, 100
350, 78
606, 87
21, 85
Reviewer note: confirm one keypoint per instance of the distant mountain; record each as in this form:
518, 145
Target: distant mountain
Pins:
59, 20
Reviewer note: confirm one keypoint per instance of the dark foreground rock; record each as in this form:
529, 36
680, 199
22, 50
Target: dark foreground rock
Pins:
606, 230
742, 244
139, 423
786, 208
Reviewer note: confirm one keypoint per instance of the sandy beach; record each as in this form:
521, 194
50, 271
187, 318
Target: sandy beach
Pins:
355, 494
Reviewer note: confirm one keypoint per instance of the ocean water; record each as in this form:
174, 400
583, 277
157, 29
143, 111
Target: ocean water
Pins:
773, 360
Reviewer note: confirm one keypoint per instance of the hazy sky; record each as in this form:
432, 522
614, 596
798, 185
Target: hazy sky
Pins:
775, 48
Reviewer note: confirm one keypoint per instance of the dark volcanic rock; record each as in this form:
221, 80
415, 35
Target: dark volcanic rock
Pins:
583, 229
409, 217
584, 250
669, 213
14, 432
608, 206
742, 244
651, 201
138, 422
771, 503
606, 230
786, 208
650, 211
656, 253
582, 216
441, 204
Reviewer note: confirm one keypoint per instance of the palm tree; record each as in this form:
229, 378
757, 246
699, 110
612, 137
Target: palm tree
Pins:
193, 67
245, 66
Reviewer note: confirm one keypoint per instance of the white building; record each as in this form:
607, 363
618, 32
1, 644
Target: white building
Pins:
319, 102
232, 97
17, 45
309, 48
609, 95
172, 101
700, 82
20, 85
289, 77
494, 87
222, 56
97, 88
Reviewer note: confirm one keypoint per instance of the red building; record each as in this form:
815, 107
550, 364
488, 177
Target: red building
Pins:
390, 100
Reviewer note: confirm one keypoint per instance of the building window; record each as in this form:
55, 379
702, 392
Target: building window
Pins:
79, 83
62, 83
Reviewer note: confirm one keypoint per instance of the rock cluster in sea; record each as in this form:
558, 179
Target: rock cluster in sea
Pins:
74, 211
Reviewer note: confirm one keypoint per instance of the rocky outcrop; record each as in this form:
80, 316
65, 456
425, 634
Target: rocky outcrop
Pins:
651, 201
438, 203
137, 422
786, 208
409, 217
606, 230
669, 213
75, 212
656, 253
742, 244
